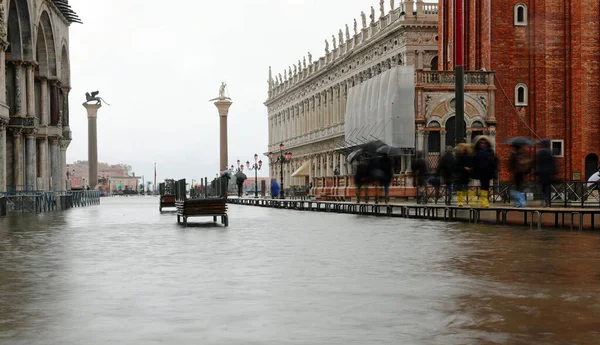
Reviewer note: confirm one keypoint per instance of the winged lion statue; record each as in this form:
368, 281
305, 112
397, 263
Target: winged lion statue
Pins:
94, 97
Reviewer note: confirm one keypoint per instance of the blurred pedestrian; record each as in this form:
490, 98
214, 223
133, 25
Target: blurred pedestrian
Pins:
520, 166
274, 189
545, 170
485, 164
420, 174
446, 171
463, 168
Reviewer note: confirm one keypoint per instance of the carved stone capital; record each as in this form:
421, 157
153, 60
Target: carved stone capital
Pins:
30, 133
53, 140
64, 144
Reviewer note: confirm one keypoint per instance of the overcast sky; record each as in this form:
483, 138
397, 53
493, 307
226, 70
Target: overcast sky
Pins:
159, 62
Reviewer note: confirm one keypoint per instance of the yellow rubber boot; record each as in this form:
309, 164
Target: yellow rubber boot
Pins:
473, 198
460, 195
483, 198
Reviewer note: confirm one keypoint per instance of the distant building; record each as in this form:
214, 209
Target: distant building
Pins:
110, 177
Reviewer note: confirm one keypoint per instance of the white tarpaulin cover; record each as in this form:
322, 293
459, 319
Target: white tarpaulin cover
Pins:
383, 108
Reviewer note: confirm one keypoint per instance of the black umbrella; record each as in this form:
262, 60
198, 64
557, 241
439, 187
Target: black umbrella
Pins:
373, 145
352, 156
389, 150
519, 141
240, 175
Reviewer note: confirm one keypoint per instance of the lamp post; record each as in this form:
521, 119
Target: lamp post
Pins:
281, 159
256, 167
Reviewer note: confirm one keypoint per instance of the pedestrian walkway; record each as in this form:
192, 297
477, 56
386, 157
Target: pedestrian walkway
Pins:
571, 218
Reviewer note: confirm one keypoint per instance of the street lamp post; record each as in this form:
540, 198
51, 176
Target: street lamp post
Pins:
256, 167
281, 159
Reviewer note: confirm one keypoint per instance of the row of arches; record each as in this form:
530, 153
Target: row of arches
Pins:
37, 67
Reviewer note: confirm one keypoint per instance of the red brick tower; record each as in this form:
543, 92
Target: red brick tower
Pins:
546, 56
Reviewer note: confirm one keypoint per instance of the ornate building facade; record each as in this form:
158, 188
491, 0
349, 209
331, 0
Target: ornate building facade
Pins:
545, 55
34, 91
307, 105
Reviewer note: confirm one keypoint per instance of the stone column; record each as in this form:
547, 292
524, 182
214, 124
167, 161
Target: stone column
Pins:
342, 165
44, 102
30, 86
92, 112
65, 106
223, 107
442, 142
18, 96
17, 157
328, 170
31, 158
55, 164
43, 159
64, 144
3, 124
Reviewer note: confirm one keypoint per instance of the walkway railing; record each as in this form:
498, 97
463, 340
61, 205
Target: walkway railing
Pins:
564, 194
39, 201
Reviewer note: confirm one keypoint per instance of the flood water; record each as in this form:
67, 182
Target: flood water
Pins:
121, 273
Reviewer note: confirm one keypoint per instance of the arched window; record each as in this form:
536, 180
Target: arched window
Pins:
521, 95
434, 64
520, 15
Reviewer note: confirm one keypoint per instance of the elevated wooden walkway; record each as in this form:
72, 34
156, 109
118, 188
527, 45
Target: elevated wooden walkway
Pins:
573, 218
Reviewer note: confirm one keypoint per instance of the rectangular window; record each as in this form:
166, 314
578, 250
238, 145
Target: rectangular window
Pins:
558, 149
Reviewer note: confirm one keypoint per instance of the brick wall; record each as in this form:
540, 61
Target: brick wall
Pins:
556, 55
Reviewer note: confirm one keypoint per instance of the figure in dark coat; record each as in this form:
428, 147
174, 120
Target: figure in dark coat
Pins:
485, 164
463, 168
545, 170
446, 171
420, 175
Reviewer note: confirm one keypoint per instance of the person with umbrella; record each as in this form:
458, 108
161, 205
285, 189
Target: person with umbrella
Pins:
240, 177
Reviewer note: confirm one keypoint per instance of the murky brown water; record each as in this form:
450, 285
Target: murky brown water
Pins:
121, 273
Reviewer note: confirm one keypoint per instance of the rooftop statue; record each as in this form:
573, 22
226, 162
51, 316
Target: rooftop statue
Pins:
381, 8
94, 97
372, 16
222, 96
326, 47
309, 58
355, 27
341, 37
392, 4
363, 16
333, 40
348, 31
304, 62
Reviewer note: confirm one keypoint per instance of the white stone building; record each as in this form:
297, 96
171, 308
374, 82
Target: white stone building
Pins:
307, 103
35, 72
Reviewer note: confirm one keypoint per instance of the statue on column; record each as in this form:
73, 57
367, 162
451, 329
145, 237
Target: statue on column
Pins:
94, 97
381, 8
326, 47
363, 17
348, 31
222, 95
309, 58
372, 15
341, 37
299, 66
295, 70
290, 72
392, 4
280, 79
304, 62
333, 41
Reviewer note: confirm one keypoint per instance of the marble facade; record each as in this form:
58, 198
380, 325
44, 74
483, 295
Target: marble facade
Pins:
306, 104
34, 94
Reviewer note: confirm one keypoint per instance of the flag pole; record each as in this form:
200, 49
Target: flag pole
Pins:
154, 178
459, 70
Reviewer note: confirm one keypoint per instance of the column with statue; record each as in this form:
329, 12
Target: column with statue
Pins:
92, 112
222, 102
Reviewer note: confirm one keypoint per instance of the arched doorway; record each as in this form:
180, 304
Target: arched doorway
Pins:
591, 165
451, 131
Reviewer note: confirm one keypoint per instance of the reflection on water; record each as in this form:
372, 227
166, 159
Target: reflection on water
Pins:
121, 273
